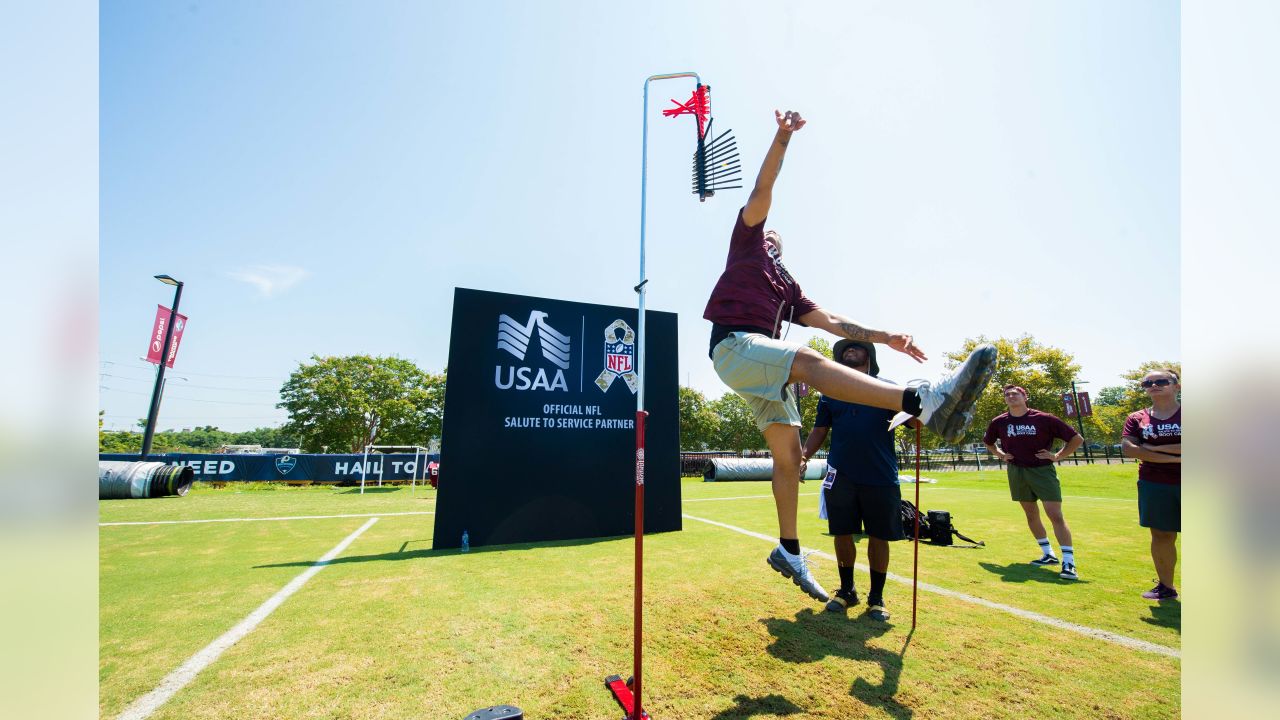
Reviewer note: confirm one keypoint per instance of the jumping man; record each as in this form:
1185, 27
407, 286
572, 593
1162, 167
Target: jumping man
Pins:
754, 294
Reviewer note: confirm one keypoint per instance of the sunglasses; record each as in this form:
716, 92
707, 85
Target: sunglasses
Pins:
1162, 382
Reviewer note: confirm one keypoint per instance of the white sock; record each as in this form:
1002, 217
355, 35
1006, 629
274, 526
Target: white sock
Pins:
1068, 555
1045, 547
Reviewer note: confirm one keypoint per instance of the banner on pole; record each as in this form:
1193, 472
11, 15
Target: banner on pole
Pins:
1069, 403
1082, 404
158, 328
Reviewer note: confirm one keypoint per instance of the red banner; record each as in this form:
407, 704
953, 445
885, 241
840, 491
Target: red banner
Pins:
157, 336
1082, 402
1070, 404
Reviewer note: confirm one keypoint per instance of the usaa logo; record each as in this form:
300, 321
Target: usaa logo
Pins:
514, 338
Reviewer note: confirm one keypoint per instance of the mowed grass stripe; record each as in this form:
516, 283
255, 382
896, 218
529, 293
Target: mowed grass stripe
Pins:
144, 706
261, 519
1116, 638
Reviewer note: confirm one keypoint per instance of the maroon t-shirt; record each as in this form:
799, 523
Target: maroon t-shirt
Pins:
755, 285
1142, 428
1026, 435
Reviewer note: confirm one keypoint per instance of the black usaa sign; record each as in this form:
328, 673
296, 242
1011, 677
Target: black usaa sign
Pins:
539, 422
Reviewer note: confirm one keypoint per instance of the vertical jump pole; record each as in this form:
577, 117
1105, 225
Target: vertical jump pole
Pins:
637, 652
915, 564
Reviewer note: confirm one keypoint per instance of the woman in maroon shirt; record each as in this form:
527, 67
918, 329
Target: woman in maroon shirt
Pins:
1154, 436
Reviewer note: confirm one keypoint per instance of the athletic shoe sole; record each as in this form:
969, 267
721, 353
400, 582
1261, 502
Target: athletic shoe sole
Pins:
1042, 561
785, 569
979, 366
878, 613
838, 604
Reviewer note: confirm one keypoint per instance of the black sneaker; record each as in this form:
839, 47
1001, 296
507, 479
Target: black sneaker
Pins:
1045, 560
842, 601
877, 611
1069, 572
1160, 592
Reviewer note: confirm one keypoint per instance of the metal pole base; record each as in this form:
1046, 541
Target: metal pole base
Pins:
622, 693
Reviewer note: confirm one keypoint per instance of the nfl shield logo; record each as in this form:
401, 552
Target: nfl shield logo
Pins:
617, 357
285, 463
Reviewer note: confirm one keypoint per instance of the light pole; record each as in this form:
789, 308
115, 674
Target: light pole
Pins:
154, 412
1075, 398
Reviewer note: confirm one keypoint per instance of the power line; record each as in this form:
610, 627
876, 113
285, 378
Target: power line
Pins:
192, 372
190, 385
189, 399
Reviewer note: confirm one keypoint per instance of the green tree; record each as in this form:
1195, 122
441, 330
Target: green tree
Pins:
1045, 371
698, 422
1135, 398
737, 427
346, 402
1112, 395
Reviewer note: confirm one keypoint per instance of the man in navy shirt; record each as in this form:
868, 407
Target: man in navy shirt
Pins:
860, 492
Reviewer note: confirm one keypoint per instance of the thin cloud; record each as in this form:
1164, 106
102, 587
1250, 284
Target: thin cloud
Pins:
270, 280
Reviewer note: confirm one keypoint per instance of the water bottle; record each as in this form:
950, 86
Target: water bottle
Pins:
466, 541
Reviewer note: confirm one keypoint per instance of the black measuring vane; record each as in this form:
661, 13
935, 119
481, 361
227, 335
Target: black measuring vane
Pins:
715, 162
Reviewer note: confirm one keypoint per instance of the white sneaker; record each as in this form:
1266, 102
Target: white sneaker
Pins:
796, 568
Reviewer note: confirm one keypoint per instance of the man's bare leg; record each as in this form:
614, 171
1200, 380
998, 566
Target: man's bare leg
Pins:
1060, 529
835, 380
784, 444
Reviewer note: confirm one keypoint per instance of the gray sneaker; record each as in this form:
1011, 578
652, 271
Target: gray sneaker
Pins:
795, 567
949, 403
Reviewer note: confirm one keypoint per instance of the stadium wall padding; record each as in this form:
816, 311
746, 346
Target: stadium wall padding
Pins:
344, 468
125, 480
727, 469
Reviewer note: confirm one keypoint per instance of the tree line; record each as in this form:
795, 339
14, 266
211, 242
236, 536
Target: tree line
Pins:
1045, 371
340, 404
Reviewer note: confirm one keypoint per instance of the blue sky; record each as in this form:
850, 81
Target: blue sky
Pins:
322, 175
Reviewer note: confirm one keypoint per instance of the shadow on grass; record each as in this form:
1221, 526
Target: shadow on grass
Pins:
1166, 614
1023, 572
402, 554
375, 489
749, 707
812, 636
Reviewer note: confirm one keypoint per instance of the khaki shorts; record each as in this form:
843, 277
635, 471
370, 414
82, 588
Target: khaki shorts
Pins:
1028, 484
757, 368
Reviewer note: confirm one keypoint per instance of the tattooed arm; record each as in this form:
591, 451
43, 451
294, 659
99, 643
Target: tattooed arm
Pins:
846, 328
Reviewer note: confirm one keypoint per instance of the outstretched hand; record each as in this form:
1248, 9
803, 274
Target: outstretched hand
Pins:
904, 343
790, 122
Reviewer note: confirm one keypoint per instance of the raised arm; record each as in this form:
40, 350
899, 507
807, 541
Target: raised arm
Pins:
846, 328
757, 208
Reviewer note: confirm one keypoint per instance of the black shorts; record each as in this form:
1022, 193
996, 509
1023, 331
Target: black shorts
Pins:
856, 509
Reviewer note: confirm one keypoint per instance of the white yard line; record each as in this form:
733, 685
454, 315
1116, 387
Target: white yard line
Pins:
187, 671
981, 490
1064, 497
739, 497
264, 519
1096, 633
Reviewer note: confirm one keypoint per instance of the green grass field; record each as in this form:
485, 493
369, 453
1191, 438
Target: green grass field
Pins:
391, 629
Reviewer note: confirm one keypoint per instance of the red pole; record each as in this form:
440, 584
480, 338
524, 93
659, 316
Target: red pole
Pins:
915, 566
639, 601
